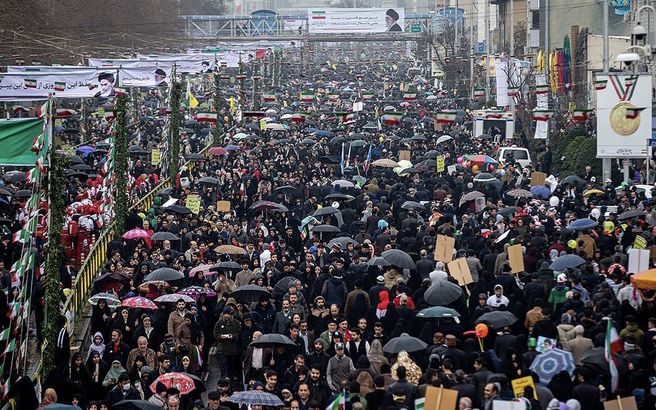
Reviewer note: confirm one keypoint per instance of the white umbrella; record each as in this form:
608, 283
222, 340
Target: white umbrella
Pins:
275, 127
444, 138
403, 164
286, 117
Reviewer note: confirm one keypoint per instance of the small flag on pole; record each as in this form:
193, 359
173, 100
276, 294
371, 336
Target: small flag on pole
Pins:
207, 117
479, 92
445, 117
581, 115
513, 91
600, 84
542, 89
391, 118
542, 115
633, 113
339, 403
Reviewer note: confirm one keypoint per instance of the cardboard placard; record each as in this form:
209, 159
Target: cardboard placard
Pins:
507, 405
638, 260
223, 206
193, 203
404, 154
439, 163
537, 178
459, 270
156, 156
626, 403
439, 398
519, 384
451, 169
516, 258
444, 246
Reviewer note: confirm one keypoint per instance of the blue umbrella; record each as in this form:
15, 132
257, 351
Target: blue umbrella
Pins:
323, 133
59, 128
552, 362
255, 397
541, 191
86, 148
231, 148
583, 223
567, 262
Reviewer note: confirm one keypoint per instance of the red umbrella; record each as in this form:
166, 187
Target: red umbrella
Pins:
180, 381
136, 233
217, 151
139, 302
199, 268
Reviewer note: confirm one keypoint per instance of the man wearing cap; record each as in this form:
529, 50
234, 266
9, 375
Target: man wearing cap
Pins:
339, 369
226, 333
213, 401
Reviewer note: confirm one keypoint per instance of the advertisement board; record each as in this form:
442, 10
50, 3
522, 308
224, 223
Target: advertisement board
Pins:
343, 20
623, 115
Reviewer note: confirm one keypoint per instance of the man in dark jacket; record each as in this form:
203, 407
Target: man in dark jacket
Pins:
586, 393
122, 391
116, 349
226, 333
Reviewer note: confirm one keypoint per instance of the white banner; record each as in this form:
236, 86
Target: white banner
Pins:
69, 84
329, 20
46, 68
145, 76
623, 115
501, 69
542, 103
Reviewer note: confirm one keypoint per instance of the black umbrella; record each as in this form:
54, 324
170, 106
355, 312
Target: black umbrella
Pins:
326, 210
399, 258
135, 405
75, 159
76, 174
442, 293
14, 176
573, 180
273, 340
631, 214
208, 181
596, 360
178, 209
164, 274
378, 261
164, 236
81, 167
325, 228
498, 319
508, 210
413, 205
338, 196
406, 343
195, 157
285, 189
343, 241
283, 285
5, 192
112, 277
250, 293
226, 266
23, 193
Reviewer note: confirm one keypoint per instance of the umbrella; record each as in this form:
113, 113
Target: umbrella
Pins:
136, 233
568, 261
136, 405
217, 151
378, 261
444, 138
250, 397
208, 181
399, 258
411, 170
111, 277
497, 319
343, 241
196, 291
250, 293
231, 147
590, 192
573, 180
283, 285
61, 406
112, 300
23, 193
484, 177
178, 209
325, 228
519, 193
481, 159
552, 362
438, 312
14, 176
338, 196
628, 215
230, 250
205, 268
260, 205
180, 381
413, 205
285, 189
139, 302
164, 274
541, 191
470, 196
385, 163
326, 210
596, 359
226, 266
273, 339
406, 343
442, 293
358, 143
343, 183
164, 236
276, 127
583, 223
81, 167
174, 297
507, 210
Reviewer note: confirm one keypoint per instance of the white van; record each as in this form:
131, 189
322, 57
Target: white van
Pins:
519, 155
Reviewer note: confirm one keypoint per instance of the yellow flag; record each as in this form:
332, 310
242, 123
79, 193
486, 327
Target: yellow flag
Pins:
263, 125
232, 105
192, 102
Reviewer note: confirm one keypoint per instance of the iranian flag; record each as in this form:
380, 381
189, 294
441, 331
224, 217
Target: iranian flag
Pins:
445, 117
338, 403
268, 97
581, 115
253, 114
345, 116
120, 91
613, 345
65, 112
391, 118
630, 80
409, 96
60, 86
110, 115
542, 89
542, 115
29, 83
633, 113
318, 15
307, 97
32, 175
240, 77
299, 116
479, 92
493, 116
513, 91
367, 95
37, 145
600, 84
207, 117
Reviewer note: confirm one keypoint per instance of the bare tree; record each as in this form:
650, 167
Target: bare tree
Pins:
452, 56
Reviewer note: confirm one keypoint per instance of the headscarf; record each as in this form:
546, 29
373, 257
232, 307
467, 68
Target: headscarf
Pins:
376, 357
49, 397
114, 372
413, 371
381, 308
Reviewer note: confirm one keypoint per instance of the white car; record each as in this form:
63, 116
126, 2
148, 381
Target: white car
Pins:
519, 155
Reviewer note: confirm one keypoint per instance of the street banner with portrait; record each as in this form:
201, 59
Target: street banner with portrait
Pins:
67, 84
623, 115
151, 76
345, 20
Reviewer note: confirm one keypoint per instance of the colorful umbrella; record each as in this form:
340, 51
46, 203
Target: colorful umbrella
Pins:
250, 397
196, 291
139, 302
174, 297
481, 159
200, 268
136, 233
217, 151
111, 299
180, 381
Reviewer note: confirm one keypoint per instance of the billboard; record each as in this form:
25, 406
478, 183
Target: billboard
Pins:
152, 76
336, 20
623, 115
68, 84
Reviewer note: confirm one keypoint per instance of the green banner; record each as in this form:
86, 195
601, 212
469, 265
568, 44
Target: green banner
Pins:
16, 139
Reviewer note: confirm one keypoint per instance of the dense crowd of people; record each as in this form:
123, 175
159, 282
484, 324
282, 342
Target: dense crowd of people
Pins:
308, 270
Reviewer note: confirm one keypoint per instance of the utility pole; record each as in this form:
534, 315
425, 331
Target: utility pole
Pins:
606, 163
487, 51
471, 46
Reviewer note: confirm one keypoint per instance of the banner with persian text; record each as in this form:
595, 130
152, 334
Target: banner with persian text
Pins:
344, 20
68, 84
